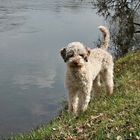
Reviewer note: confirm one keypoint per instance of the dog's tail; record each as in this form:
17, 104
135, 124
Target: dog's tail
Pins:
106, 37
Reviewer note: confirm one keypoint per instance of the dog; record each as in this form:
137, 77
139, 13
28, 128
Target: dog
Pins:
85, 68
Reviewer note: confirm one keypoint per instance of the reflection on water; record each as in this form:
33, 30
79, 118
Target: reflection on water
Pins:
25, 81
31, 70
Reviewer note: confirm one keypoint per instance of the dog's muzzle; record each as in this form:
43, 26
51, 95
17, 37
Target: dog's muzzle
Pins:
76, 64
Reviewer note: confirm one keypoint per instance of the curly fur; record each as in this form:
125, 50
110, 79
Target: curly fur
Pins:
85, 66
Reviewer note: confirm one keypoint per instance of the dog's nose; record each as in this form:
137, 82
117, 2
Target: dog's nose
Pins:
75, 62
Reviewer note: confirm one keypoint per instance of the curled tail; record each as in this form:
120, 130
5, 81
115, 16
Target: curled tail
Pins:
106, 37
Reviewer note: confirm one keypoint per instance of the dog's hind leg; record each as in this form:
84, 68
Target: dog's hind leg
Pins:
96, 88
108, 78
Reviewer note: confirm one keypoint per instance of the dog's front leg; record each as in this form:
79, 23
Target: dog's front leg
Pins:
84, 99
73, 101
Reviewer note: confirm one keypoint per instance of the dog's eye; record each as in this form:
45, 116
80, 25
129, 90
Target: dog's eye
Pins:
81, 55
70, 55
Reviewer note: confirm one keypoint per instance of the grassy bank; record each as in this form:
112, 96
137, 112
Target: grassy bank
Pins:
107, 118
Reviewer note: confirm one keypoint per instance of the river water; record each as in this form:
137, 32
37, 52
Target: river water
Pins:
31, 70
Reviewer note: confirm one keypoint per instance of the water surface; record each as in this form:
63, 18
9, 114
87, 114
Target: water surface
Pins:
31, 69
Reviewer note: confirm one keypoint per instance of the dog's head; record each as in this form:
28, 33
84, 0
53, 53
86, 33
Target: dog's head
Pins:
75, 54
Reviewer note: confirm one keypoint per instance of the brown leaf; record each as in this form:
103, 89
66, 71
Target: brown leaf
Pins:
80, 129
96, 117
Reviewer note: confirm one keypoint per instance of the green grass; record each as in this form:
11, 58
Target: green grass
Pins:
107, 118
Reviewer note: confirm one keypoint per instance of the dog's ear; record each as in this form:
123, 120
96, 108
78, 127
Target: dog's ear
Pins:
63, 54
88, 53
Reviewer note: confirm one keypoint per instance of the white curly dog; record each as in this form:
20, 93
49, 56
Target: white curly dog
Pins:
85, 68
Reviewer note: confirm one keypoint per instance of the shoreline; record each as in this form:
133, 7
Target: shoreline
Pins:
107, 117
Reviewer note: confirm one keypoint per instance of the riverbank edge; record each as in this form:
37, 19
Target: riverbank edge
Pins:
109, 118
